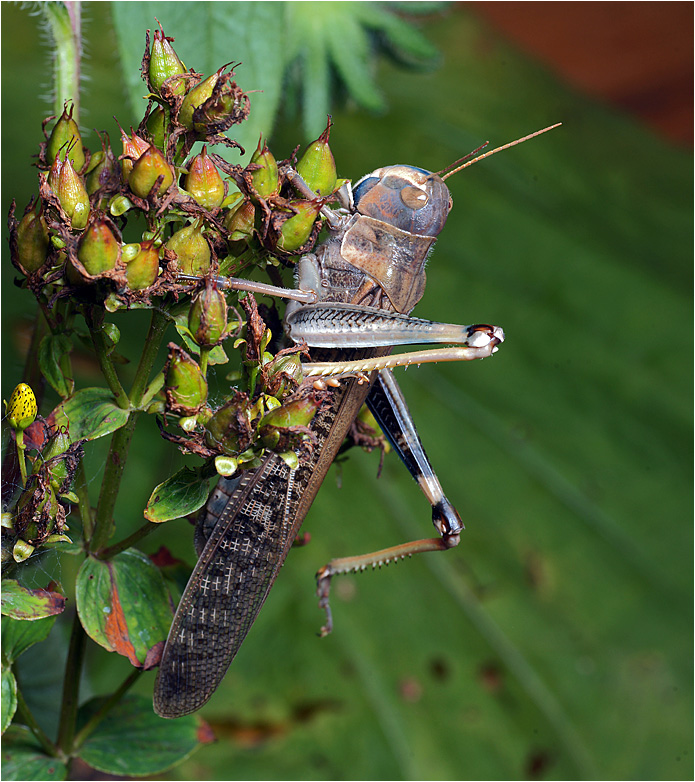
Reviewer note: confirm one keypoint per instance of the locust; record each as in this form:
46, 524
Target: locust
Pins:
351, 305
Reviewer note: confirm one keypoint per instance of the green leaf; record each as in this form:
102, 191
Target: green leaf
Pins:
123, 606
91, 414
8, 691
23, 759
185, 492
18, 634
133, 741
51, 351
22, 603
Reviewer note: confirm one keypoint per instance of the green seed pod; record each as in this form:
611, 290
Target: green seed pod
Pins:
207, 317
204, 182
157, 126
133, 147
70, 191
58, 443
265, 179
317, 165
191, 248
186, 388
143, 269
285, 371
66, 136
222, 430
21, 409
297, 413
165, 64
146, 170
196, 97
103, 169
240, 221
32, 239
98, 249
297, 229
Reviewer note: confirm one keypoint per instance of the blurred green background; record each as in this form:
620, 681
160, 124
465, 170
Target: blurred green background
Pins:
556, 641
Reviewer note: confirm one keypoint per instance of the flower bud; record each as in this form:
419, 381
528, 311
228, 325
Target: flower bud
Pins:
142, 270
191, 248
297, 229
165, 64
204, 182
207, 317
21, 409
222, 430
66, 136
317, 165
147, 169
32, 239
196, 97
98, 249
186, 388
265, 179
240, 221
70, 191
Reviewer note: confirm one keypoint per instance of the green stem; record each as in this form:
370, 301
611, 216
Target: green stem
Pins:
19, 440
204, 353
104, 709
71, 687
120, 442
81, 489
111, 551
64, 21
155, 384
95, 323
28, 718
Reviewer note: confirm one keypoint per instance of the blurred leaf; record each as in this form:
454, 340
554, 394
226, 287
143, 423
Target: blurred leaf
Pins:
133, 741
91, 414
51, 351
123, 606
8, 691
18, 635
19, 602
23, 759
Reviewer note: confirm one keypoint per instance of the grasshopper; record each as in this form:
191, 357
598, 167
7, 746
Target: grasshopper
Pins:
351, 305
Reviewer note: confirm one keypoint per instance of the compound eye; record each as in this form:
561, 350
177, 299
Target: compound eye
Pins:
414, 198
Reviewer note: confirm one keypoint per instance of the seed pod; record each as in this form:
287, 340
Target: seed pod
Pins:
265, 179
296, 413
207, 317
66, 136
191, 248
204, 182
165, 64
70, 191
58, 443
186, 388
222, 430
21, 409
196, 97
317, 165
147, 169
297, 229
142, 270
226, 106
157, 126
98, 249
240, 221
283, 372
133, 147
32, 239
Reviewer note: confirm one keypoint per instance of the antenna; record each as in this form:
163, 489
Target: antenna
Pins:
493, 151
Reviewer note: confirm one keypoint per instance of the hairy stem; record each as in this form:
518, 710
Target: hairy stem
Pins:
65, 23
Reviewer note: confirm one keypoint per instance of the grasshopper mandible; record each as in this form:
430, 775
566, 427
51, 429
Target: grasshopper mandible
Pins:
352, 304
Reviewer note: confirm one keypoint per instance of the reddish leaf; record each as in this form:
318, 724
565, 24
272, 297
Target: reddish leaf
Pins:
22, 603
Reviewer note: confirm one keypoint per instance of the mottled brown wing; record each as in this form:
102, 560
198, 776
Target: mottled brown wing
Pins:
234, 574
249, 526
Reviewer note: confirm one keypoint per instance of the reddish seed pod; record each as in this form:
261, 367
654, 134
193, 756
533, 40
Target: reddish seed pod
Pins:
70, 191
98, 249
147, 169
240, 221
204, 182
133, 147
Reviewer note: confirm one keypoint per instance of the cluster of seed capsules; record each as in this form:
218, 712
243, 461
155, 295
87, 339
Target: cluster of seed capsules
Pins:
118, 231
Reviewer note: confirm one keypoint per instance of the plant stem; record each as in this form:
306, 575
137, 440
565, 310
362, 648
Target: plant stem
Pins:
120, 442
82, 491
19, 441
95, 324
71, 687
111, 551
104, 709
64, 21
29, 720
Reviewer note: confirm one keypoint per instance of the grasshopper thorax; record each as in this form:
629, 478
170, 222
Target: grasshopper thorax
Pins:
408, 198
